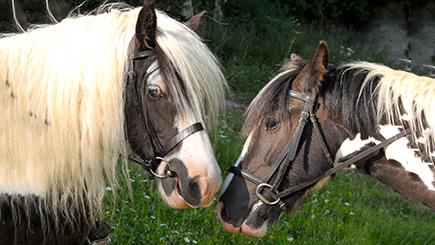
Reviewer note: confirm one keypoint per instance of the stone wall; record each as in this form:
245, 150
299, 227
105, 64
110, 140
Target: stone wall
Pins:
389, 29
423, 35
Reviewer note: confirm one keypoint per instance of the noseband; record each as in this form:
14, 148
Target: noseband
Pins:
268, 193
159, 151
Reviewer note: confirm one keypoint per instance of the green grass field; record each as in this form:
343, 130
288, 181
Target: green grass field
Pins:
351, 209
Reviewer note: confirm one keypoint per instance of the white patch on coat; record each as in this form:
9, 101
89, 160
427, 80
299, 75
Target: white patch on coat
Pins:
350, 146
397, 151
400, 152
421, 140
405, 117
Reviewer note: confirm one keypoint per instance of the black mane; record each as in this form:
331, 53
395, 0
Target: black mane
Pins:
347, 101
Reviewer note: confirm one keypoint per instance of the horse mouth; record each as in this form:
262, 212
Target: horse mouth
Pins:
244, 228
177, 188
178, 193
180, 190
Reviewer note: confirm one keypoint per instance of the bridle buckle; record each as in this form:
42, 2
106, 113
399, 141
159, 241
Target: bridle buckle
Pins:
264, 198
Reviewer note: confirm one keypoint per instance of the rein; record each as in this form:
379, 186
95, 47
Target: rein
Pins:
158, 151
288, 155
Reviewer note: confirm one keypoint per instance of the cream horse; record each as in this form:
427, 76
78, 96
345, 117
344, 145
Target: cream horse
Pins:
68, 113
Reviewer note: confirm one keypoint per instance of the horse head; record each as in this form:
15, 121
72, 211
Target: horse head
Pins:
278, 149
164, 104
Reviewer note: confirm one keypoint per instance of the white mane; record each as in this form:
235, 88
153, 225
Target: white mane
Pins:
399, 89
61, 103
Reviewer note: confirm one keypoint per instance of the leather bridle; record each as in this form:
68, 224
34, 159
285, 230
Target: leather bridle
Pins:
268, 193
158, 151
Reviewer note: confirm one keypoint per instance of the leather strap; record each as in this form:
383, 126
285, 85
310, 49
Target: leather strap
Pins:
296, 136
294, 143
172, 143
346, 163
143, 54
321, 138
246, 175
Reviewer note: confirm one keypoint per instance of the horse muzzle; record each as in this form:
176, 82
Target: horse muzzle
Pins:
244, 228
183, 191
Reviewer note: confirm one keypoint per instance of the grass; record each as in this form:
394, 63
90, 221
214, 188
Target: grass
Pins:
351, 209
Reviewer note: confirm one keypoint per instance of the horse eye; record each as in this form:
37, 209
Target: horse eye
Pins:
155, 91
271, 124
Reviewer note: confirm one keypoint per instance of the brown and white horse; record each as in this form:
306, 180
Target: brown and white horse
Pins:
75, 96
350, 108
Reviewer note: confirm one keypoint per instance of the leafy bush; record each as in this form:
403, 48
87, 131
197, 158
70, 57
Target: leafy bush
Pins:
258, 35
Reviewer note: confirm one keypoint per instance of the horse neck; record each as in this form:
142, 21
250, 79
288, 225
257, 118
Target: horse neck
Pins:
353, 125
397, 165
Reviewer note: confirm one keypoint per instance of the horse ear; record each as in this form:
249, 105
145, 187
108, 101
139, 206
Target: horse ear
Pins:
195, 22
146, 26
311, 75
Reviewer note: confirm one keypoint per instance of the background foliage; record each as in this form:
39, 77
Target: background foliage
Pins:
349, 12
